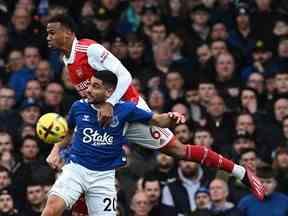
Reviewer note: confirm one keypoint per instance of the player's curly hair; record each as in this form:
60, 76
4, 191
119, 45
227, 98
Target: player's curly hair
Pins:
65, 21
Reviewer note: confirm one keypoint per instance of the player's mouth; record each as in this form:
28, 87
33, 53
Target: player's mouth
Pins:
50, 44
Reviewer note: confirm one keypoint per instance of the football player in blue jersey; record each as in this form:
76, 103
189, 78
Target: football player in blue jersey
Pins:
96, 152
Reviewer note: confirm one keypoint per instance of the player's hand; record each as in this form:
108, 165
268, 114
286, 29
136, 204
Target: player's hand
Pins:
54, 159
178, 118
105, 114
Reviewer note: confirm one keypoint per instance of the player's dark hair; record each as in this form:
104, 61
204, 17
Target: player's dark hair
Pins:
107, 77
65, 21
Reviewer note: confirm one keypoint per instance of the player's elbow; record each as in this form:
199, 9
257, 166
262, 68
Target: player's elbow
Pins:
128, 78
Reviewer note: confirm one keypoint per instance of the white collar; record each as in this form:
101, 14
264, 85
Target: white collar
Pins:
71, 58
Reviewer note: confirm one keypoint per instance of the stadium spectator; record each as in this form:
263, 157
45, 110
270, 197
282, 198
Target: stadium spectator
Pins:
183, 133
192, 100
237, 190
203, 137
156, 101
180, 194
6, 142
53, 97
29, 149
44, 73
280, 165
30, 111
140, 204
119, 47
206, 89
7, 204
151, 187
219, 192
165, 170
242, 140
202, 199
219, 122
19, 78
33, 90
4, 46
174, 84
36, 199
274, 202
15, 61
7, 99
5, 178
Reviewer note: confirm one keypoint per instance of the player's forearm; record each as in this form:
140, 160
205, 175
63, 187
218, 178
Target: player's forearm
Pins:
65, 141
101, 59
124, 81
162, 120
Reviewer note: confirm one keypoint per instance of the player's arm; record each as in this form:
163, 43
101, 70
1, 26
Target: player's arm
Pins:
167, 120
100, 58
161, 120
54, 159
65, 141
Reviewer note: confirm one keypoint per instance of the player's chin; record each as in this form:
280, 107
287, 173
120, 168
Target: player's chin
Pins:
50, 46
89, 100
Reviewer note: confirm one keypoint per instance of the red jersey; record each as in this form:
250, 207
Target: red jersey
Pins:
86, 58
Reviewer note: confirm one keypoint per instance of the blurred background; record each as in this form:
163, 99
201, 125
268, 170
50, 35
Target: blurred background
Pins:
221, 63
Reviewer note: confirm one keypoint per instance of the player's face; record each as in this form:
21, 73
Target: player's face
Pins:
96, 92
56, 35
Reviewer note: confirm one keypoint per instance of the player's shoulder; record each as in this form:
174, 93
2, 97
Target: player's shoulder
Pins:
86, 42
125, 105
79, 103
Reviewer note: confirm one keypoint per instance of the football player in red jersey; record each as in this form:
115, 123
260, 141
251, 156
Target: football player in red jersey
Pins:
85, 57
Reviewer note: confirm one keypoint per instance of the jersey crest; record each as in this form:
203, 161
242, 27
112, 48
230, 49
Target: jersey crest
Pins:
115, 121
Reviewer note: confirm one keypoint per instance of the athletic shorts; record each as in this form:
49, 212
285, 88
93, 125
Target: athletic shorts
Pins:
98, 187
151, 137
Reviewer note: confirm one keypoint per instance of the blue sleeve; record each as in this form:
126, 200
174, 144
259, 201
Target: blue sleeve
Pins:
139, 115
71, 117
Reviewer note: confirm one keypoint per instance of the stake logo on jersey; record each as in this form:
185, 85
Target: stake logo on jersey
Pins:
95, 138
98, 148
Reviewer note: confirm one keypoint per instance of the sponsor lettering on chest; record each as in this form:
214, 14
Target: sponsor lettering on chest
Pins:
95, 138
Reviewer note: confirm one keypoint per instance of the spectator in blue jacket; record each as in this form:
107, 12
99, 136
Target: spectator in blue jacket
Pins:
274, 204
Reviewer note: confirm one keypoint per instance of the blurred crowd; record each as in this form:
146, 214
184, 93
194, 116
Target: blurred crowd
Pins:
221, 63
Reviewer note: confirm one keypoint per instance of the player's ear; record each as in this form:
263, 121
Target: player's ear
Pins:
109, 92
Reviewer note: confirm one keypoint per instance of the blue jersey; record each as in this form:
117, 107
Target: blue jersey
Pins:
98, 148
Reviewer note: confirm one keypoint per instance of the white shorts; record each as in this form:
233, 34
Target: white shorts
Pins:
151, 137
98, 187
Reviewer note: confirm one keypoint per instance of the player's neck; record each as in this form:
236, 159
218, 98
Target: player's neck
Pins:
67, 48
97, 105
